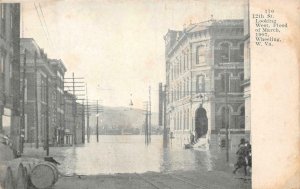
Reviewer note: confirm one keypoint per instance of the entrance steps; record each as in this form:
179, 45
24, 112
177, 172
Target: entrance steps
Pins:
201, 144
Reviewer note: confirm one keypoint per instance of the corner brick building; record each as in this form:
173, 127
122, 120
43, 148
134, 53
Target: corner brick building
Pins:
204, 72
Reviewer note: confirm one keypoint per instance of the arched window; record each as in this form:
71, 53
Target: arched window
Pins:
225, 52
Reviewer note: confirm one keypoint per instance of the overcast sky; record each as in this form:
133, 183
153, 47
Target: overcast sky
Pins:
117, 45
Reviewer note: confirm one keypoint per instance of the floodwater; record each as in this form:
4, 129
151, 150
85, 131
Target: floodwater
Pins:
129, 154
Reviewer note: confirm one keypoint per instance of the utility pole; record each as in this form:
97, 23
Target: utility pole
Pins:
74, 111
83, 123
165, 136
73, 86
36, 103
227, 118
97, 127
23, 104
64, 120
146, 125
149, 113
15, 113
87, 115
47, 117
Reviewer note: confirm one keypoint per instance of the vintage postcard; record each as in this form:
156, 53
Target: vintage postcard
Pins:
142, 94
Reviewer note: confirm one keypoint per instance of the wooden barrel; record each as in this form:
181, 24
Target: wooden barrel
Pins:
15, 176
43, 175
20, 179
9, 181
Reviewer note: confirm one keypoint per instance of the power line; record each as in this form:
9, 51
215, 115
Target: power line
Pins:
46, 25
42, 24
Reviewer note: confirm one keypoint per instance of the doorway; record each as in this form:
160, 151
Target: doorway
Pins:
201, 123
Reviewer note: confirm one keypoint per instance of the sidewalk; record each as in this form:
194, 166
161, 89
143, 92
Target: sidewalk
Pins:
150, 180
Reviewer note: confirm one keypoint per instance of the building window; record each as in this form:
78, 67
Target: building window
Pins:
187, 60
184, 63
225, 82
179, 91
242, 118
177, 121
175, 126
180, 118
241, 79
187, 87
188, 120
184, 93
10, 71
225, 52
242, 76
200, 55
241, 49
43, 90
184, 114
2, 63
3, 19
200, 84
224, 117
26, 90
180, 65
11, 21
2, 11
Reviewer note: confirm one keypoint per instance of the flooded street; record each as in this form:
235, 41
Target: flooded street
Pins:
129, 154
124, 161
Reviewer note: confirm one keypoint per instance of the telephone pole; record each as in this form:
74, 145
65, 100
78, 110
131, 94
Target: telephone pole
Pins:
47, 117
226, 117
165, 136
36, 103
83, 123
87, 115
146, 125
94, 108
23, 104
97, 128
146, 107
15, 113
74, 85
149, 113
74, 112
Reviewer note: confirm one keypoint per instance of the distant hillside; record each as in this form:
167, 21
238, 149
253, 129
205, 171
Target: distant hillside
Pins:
121, 117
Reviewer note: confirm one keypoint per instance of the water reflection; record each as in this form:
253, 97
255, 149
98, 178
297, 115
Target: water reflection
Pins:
128, 154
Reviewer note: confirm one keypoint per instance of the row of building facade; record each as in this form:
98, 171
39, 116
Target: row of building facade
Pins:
45, 75
207, 70
32, 94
